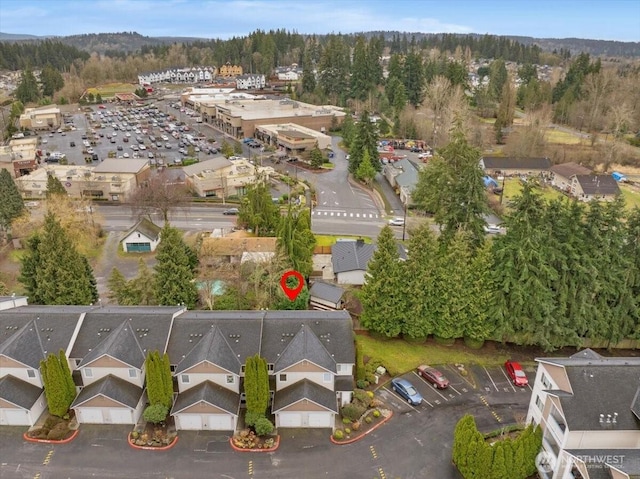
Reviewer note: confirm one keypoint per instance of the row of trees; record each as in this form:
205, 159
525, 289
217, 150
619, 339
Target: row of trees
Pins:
29, 90
159, 387
256, 389
508, 458
59, 387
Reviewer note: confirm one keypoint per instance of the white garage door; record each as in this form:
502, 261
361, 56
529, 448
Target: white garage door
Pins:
15, 417
91, 415
319, 419
119, 416
290, 419
217, 422
190, 422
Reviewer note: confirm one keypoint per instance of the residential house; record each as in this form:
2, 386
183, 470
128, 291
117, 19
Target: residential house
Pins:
402, 175
229, 249
349, 260
588, 408
41, 118
250, 82
562, 175
144, 237
28, 335
326, 296
109, 354
310, 357
289, 73
178, 75
229, 70
594, 187
507, 166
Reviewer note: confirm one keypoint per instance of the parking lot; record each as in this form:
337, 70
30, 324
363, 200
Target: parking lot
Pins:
94, 133
487, 391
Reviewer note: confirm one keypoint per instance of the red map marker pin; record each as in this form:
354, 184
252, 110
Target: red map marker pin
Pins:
292, 293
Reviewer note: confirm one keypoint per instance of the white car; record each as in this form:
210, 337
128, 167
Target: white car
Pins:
396, 221
126, 155
142, 147
492, 229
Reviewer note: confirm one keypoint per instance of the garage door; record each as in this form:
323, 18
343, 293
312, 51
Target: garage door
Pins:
290, 419
119, 416
15, 417
138, 247
91, 415
191, 422
217, 422
319, 419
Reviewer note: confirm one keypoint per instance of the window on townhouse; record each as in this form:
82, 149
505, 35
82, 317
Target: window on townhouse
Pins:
184, 378
88, 373
326, 377
270, 367
283, 378
539, 403
31, 373
242, 368
545, 381
133, 373
230, 379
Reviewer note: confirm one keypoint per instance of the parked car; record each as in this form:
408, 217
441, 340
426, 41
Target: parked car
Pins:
396, 221
515, 372
492, 229
433, 376
231, 211
406, 390
72, 143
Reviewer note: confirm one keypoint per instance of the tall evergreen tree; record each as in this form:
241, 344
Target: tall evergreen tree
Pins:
308, 74
174, 279
295, 239
142, 286
11, 205
334, 69
365, 139
452, 188
27, 90
361, 82
58, 384
51, 80
54, 186
366, 172
54, 272
414, 78
258, 212
382, 298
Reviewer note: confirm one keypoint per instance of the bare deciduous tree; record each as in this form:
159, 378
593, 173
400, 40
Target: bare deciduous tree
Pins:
159, 194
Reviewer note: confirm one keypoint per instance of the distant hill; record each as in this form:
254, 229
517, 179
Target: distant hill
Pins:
132, 41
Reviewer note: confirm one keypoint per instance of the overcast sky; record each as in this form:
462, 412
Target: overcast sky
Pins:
596, 19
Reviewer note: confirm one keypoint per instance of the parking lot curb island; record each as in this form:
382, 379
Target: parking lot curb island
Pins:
271, 449
51, 441
152, 448
361, 436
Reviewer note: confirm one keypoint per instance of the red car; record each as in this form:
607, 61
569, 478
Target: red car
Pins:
433, 376
515, 372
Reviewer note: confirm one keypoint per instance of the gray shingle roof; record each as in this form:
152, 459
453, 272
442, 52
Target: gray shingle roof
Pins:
121, 344
409, 176
210, 393
151, 325
600, 386
305, 389
18, 392
147, 228
569, 169
305, 345
598, 184
113, 388
55, 326
351, 255
25, 346
326, 291
214, 348
500, 163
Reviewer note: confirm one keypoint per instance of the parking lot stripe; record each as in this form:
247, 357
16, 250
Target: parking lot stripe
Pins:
494, 384
508, 380
382, 474
455, 390
435, 390
406, 402
465, 379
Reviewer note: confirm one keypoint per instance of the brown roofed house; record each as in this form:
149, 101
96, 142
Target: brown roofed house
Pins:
561, 175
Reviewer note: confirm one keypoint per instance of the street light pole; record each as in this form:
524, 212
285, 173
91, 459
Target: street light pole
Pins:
404, 223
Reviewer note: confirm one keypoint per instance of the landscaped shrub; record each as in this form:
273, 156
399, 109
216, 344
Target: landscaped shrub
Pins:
347, 431
353, 411
338, 434
263, 426
375, 402
370, 378
346, 420
361, 383
370, 394
60, 431
156, 413
356, 425
376, 413
368, 419
361, 397
51, 422
251, 417
360, 367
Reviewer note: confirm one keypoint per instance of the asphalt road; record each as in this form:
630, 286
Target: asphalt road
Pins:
415, 444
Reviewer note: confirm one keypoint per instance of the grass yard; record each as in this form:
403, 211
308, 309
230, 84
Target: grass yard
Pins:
110, 89
400, 356
631, 197
561, 137
513, 187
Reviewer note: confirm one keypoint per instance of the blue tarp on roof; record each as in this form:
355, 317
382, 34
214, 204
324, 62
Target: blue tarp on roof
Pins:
489, 182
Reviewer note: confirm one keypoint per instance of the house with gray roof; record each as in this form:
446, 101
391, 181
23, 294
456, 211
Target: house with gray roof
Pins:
143, 237
326, 296
21, 403
349, 260
402, 175
588, 407
515, 166
594, 187
562, 174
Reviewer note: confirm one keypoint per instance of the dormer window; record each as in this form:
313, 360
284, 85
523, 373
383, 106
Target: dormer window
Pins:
31, 373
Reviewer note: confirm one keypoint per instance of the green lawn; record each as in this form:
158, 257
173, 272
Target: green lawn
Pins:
399, 356
631, 197
562, 137
513, 187
110, 89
